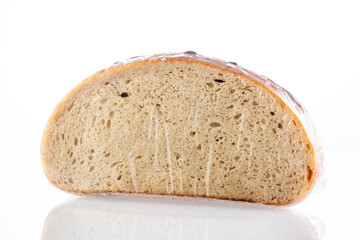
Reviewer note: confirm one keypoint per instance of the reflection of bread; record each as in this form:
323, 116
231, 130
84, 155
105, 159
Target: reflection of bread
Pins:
180, 124
86, 218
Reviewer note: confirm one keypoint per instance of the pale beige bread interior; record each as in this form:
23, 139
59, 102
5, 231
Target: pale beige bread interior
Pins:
178, 128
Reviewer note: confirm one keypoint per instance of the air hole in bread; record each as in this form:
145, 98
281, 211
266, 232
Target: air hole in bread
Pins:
70, 107
76, 140
215, 124
108, 123
114, 164
237, 116
124, 95
309, 173
93, 121
210, 85
219, 80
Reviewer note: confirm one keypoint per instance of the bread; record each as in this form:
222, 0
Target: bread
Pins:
182, 124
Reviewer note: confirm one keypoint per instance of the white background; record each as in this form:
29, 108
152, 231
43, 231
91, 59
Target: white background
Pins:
312, 48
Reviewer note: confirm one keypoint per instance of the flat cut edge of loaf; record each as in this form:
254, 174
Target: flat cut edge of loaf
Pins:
285, 98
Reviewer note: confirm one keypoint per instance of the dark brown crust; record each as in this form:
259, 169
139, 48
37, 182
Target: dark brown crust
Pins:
286, 99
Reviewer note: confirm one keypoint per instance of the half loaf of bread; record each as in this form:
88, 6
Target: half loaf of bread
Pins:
182, 124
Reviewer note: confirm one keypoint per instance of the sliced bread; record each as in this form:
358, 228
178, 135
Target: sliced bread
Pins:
182, 124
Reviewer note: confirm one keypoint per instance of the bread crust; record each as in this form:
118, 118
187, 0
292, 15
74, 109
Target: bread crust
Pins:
286, 99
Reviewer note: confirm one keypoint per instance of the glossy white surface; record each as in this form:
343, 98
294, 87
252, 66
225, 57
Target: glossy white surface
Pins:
133, 218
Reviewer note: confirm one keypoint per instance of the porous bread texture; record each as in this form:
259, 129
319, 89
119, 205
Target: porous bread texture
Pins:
178, 128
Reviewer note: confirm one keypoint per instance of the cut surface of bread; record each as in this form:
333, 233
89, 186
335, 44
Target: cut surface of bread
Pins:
181, 124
